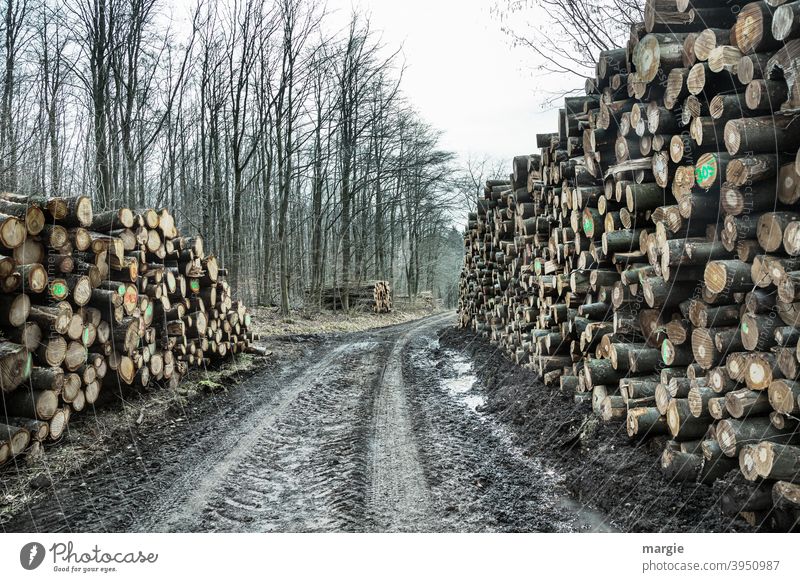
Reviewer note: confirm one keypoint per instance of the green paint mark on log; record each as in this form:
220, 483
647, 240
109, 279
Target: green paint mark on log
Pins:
664, 351
85, 336
706, 171
121, 290
195, 285
59, 289
26, 372
588, 225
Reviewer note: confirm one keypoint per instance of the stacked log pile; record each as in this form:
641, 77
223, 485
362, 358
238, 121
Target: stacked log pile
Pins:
375, 296
424, 299
95, 305
648, 258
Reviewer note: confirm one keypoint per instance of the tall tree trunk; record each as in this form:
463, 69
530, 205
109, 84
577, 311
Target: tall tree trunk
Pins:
99, 67
267, 218
15, 13
283, 242
380, 252
346, 241
316, 209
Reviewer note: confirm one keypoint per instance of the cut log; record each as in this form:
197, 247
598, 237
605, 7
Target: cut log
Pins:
39, 404
17, 438
783, 396
734, 434
777, 461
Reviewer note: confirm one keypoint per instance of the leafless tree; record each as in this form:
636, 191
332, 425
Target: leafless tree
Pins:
54, 65
572, 33
472, 177
289, 144
16, 12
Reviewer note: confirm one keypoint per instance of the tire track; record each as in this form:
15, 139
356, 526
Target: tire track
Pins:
288, 473
356, 433
398, 497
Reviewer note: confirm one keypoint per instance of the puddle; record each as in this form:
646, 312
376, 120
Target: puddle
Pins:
464, 386
466, 389
462, 368
422, 356
460, 385
586, 519
362, 345
474, 402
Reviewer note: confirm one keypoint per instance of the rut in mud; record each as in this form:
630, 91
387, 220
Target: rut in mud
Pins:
376, 431
599, 465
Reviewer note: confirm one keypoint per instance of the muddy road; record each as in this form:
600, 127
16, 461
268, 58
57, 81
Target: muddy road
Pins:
378, 431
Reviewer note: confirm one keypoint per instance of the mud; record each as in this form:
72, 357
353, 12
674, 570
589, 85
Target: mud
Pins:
372, 431
411, 428
600, 466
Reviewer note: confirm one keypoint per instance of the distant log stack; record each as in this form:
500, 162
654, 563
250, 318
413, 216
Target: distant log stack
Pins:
649, 258
375, 296
95, 305
424, 299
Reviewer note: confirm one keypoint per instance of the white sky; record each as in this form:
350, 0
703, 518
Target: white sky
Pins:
463, 75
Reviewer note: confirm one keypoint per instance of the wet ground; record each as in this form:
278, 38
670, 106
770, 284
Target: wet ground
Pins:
375, 431
596, 462
415, 427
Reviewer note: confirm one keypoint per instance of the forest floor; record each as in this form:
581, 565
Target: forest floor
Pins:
413, 427
268, 321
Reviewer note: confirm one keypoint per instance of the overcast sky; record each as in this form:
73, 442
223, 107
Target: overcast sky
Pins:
463, 74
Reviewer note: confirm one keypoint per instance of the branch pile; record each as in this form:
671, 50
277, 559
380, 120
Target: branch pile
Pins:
648, 258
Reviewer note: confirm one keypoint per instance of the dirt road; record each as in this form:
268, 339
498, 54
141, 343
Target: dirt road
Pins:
376, 431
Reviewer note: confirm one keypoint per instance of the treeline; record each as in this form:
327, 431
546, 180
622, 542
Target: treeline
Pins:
288, 141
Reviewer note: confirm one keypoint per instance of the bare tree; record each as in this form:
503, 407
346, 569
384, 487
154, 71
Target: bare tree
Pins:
132, 71
471, 179
54, 65
573, 33
14, 24
290, 145
356, 70
298, 20
97, 19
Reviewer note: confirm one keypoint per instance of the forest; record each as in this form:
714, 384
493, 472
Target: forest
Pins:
279, 129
